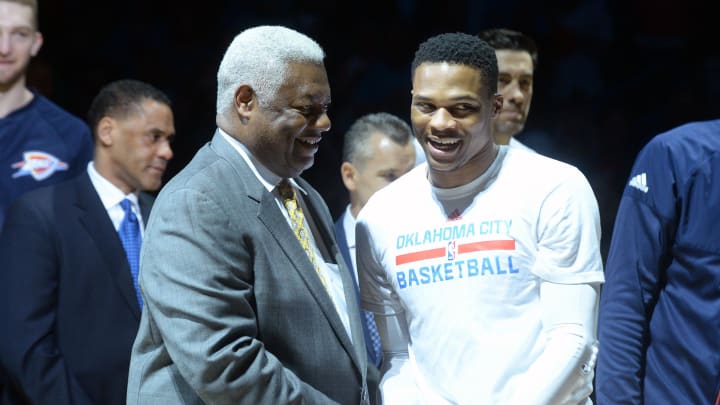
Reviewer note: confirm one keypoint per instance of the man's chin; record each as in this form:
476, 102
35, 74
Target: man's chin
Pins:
9, 79
151, 185
509, 129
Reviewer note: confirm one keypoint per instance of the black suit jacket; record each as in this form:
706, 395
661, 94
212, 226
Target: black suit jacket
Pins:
68, 309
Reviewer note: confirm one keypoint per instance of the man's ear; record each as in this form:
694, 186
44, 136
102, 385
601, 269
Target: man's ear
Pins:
348, 171
37, 44
497, 104
105, 129
245, 102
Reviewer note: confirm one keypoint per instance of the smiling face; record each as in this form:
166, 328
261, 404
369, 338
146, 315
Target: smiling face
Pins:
515, 84
135, 149
19, 42
284, 135
451, 114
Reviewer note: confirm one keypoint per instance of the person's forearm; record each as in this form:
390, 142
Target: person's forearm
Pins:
565, 365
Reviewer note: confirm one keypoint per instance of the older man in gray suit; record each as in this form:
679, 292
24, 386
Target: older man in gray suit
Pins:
247, 299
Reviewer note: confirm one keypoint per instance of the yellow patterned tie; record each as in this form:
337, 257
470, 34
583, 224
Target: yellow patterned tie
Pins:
297, 219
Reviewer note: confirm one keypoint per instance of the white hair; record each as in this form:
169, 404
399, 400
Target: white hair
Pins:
259, 57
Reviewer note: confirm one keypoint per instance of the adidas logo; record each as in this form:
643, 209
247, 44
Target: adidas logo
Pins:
639, 182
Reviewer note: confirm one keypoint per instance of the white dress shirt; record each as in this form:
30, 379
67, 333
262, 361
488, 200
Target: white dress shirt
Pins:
111, 196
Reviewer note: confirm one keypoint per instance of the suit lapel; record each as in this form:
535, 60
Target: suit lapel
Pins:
342, 240
350, 290
96, 221
146, 201
270, 215
272, 218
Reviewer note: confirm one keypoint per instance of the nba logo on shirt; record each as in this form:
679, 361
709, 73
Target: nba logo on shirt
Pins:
39, 165
451, 251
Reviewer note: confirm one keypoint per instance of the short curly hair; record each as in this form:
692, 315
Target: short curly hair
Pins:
463, 49
260, 56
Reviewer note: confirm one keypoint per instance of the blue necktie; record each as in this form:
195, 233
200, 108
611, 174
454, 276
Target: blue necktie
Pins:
374, 343
130, 237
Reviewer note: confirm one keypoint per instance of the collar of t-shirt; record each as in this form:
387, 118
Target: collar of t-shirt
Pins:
456, 200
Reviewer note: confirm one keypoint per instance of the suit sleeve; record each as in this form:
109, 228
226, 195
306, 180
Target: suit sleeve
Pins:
642, 235
197, 281
28, 309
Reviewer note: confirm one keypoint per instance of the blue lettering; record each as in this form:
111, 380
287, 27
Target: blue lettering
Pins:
510, 265
424, 274
458, 232
459, 265
436, 274
484, 228
400, 276
499, 269
471, 230
448, 271
486, 266
412, 278
494, 226
437, 234
451, 270
472, 267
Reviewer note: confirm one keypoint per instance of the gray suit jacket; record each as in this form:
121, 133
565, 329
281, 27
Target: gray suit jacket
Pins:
234, 311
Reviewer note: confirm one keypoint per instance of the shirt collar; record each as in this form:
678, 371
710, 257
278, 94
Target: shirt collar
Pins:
265, 176
349, 227
110, 195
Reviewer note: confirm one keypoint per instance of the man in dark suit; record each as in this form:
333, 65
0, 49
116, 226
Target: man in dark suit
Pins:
69, 306
377, 149
248, 300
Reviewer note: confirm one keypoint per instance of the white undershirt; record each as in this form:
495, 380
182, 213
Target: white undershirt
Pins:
349, 227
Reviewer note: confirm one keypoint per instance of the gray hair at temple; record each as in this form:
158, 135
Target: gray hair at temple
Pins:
259, 57
356, 147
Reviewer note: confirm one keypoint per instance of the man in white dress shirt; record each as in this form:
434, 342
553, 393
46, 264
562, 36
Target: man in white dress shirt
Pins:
378, 148
71, 308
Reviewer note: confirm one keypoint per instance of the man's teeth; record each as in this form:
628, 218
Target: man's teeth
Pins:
311, 141
446, 141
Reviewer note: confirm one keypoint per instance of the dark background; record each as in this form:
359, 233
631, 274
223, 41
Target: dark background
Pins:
611, 73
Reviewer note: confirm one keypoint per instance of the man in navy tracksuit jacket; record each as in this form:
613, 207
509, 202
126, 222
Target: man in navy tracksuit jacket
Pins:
659, 325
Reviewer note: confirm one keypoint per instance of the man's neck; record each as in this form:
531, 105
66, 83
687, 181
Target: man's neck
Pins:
502, 139
14, 97
355, 209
